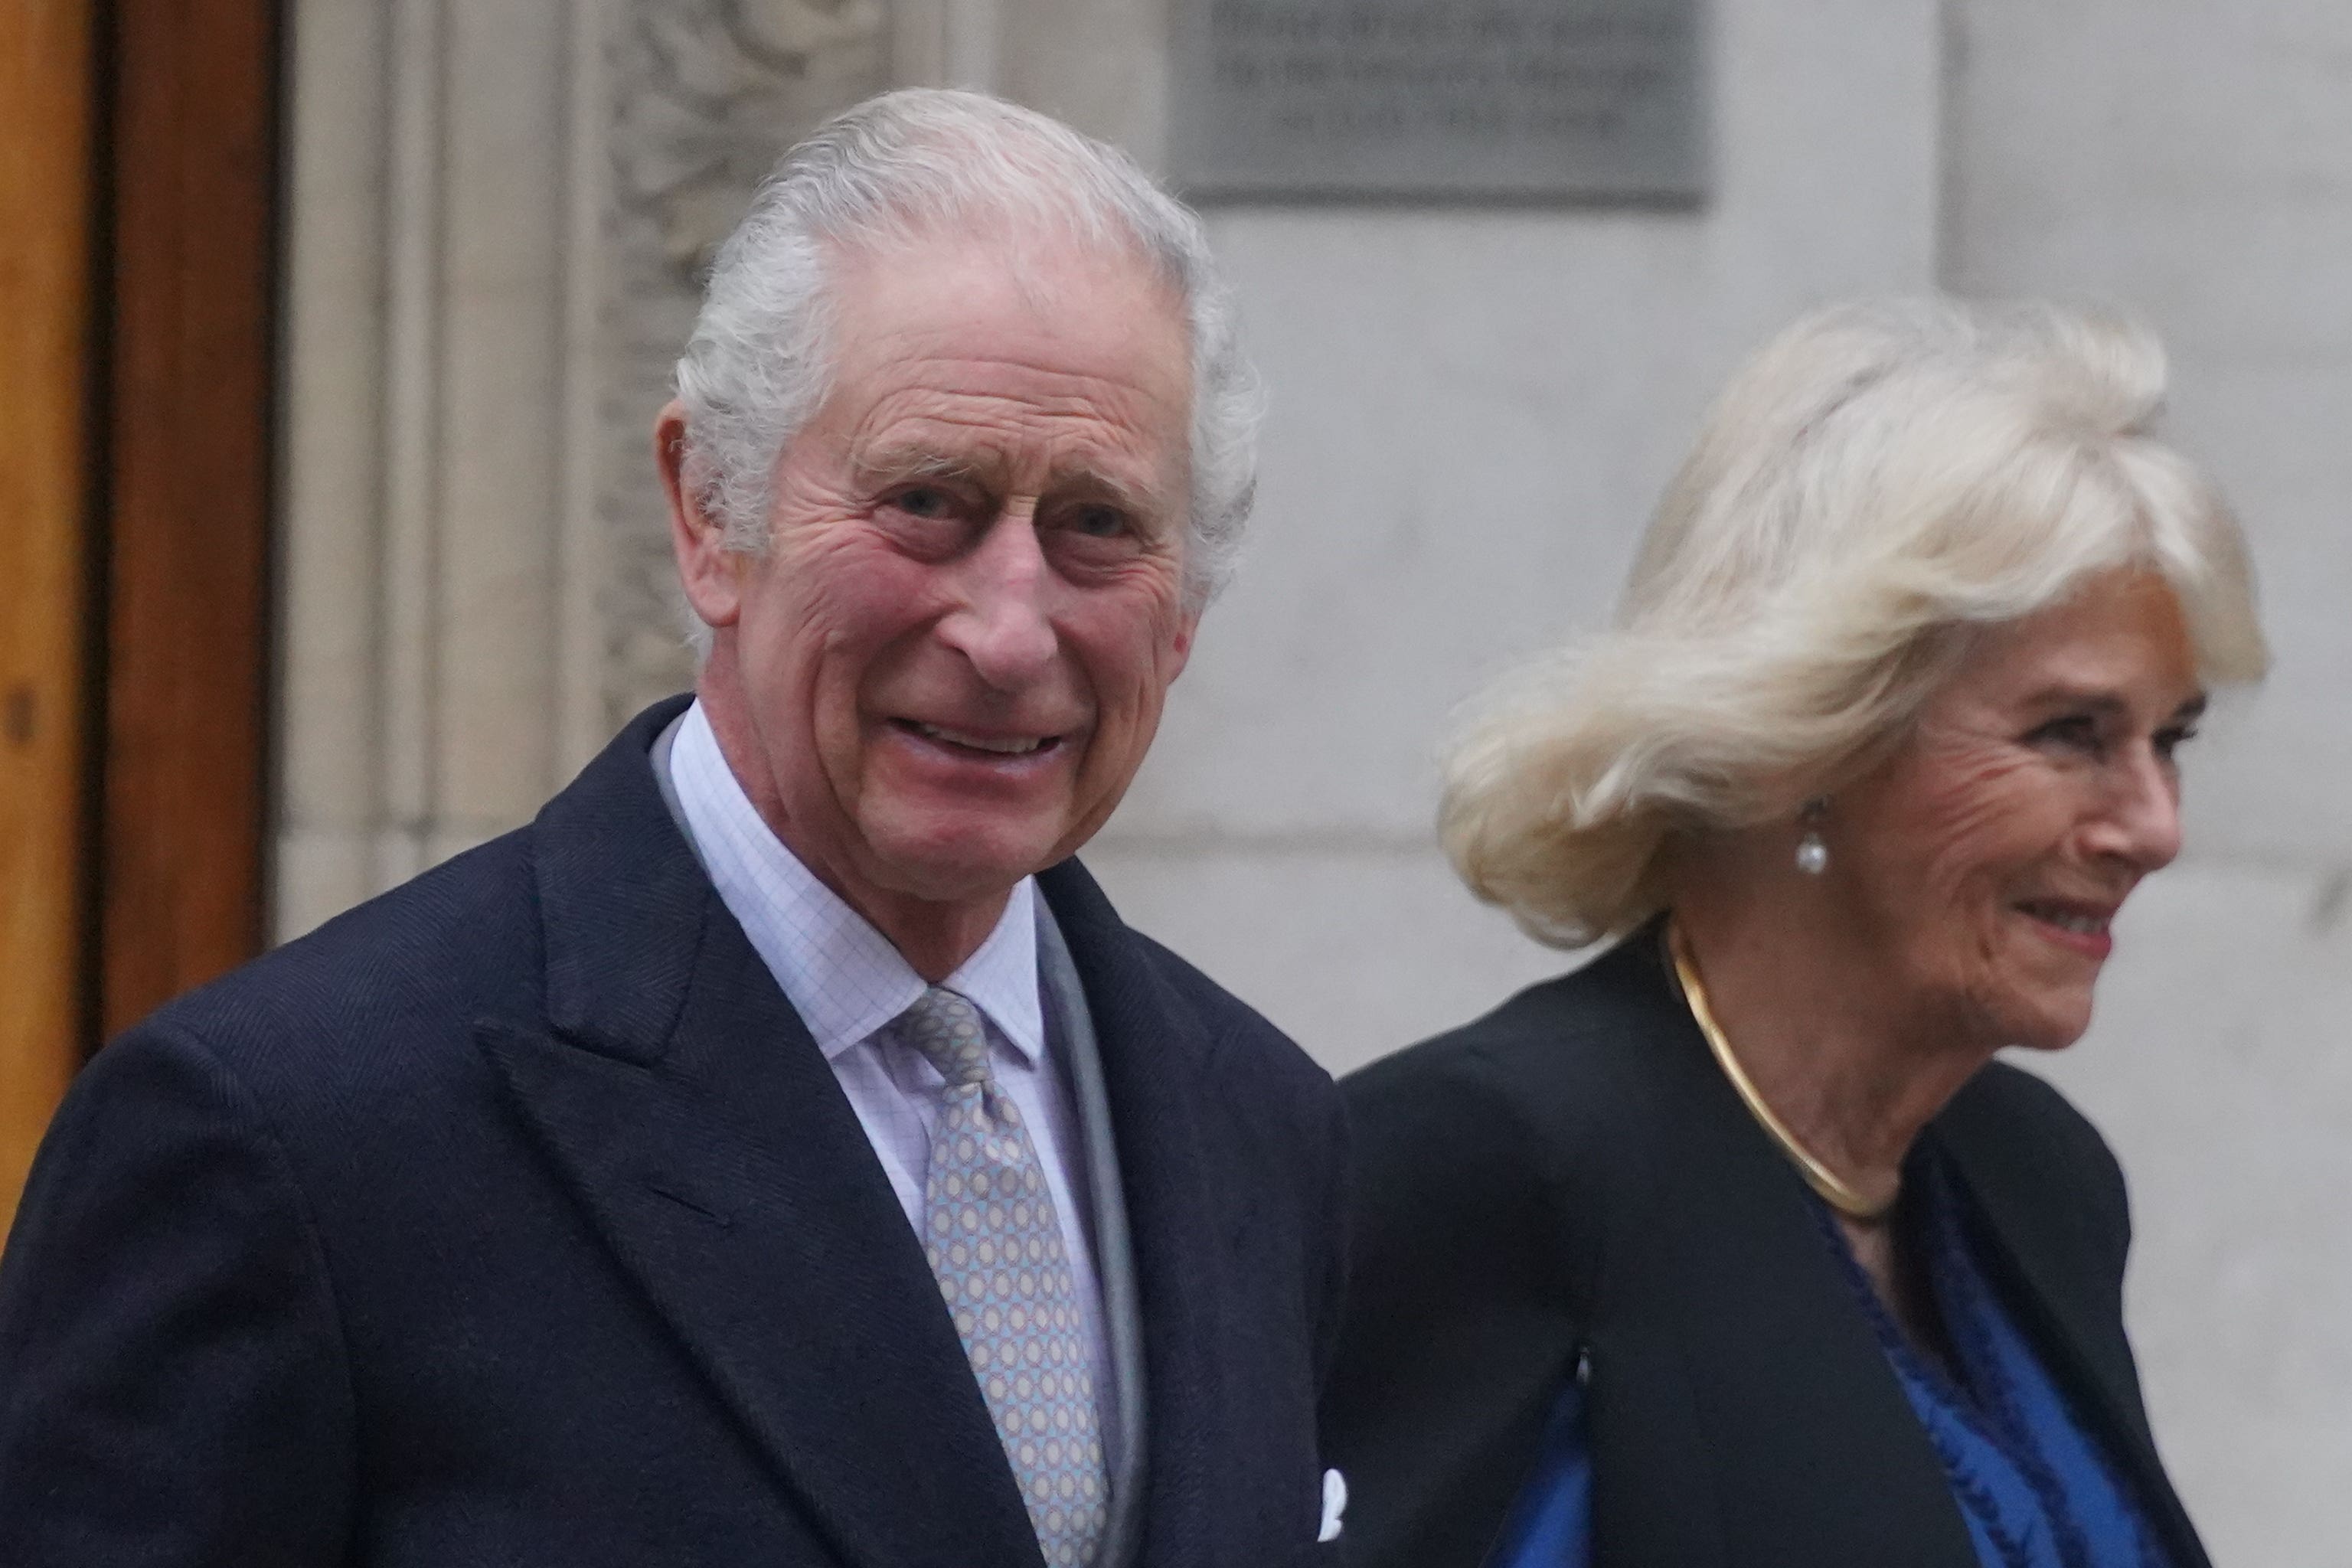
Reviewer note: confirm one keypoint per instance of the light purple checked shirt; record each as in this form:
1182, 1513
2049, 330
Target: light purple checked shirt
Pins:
848, 982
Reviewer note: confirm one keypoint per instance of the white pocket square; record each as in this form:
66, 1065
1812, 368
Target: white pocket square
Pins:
1335, 1504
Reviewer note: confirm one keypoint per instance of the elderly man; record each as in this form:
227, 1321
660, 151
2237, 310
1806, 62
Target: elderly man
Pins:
779, 1152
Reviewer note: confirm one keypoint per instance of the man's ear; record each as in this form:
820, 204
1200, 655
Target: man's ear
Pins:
706, 569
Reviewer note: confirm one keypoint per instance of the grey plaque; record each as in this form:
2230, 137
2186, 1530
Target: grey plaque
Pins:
1448, 99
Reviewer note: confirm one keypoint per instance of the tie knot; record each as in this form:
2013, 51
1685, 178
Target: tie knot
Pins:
947, 1029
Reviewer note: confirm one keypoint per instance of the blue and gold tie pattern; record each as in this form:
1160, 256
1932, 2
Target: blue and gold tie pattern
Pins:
995, 1246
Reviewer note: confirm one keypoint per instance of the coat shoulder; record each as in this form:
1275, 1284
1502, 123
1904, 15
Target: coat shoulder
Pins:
390, 990
2007, 1100
1482, 1164
2017, 1135
1244, 1038
1534, 1089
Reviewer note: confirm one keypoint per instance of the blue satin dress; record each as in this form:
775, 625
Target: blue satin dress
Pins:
2032, 1485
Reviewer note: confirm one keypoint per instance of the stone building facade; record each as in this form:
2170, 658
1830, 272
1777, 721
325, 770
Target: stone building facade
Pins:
497, 210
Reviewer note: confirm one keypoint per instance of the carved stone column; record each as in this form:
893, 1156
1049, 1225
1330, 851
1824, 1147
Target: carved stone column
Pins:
704, 94
499, 212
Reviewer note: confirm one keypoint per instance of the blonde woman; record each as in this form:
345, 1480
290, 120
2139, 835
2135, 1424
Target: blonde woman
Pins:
1737, 1246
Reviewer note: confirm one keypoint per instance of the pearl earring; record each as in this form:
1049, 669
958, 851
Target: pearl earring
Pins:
1812, 855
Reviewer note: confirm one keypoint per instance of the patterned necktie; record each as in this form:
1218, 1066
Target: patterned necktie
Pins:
995, 1246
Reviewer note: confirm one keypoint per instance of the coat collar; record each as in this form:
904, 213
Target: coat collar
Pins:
2072, 1314
1158, 1061
692, 1116
1778, 1364
694, 1119
1793, 1363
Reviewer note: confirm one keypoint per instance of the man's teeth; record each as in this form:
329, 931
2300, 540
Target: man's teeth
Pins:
1011, 748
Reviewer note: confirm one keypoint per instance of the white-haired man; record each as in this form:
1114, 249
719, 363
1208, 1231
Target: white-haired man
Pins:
779, 1152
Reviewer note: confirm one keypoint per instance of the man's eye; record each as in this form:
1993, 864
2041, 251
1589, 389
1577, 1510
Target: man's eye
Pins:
1098, 521
923, 501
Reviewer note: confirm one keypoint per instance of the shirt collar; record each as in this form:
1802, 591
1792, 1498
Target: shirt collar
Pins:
841, 976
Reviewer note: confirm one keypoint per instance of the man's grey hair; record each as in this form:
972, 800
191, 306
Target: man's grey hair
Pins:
911, 164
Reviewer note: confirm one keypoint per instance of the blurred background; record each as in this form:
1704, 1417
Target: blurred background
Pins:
332, 331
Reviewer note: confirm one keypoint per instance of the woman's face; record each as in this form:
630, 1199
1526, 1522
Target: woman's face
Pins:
1985, 858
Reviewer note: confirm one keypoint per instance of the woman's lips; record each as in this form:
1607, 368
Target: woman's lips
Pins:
2079, 926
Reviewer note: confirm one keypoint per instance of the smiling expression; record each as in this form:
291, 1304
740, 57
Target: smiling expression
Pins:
1987, 856
945, 670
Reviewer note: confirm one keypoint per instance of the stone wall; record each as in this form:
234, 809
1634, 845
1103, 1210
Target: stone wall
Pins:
1471, 412
499, 211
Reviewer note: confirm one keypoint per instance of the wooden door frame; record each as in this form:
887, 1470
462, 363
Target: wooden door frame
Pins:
193, 202
139, 193
47, 125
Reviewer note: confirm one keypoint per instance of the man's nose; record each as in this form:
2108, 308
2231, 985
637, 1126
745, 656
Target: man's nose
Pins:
1001, 626
2142, 821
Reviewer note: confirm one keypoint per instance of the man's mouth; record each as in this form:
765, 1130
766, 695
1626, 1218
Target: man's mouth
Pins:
1008, 745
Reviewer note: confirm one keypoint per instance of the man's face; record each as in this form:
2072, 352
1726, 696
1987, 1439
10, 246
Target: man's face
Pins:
950, 661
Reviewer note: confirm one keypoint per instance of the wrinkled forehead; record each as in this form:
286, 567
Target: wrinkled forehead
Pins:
1094, 322
1030, 214
2118, 637
1037, 249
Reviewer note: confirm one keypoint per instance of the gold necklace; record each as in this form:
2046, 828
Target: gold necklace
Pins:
1835, 1189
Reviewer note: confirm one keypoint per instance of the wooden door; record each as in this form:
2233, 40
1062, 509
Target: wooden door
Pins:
192, 198
46, 209
138, 191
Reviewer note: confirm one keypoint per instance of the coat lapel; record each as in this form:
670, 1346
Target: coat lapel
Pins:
1070, 1020
1778, 1369
686, 1108
1155, 1059
2076, 1327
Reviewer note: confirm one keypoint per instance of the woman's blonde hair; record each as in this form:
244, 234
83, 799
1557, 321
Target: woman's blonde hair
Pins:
1878, 479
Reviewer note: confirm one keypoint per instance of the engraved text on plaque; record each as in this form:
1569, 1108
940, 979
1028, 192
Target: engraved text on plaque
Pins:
1527, 100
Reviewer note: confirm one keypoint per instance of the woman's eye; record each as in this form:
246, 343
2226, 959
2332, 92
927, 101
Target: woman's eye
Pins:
2075, 732
2169, 741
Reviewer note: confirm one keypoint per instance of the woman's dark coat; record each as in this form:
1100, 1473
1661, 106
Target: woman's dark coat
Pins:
1569, 1187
